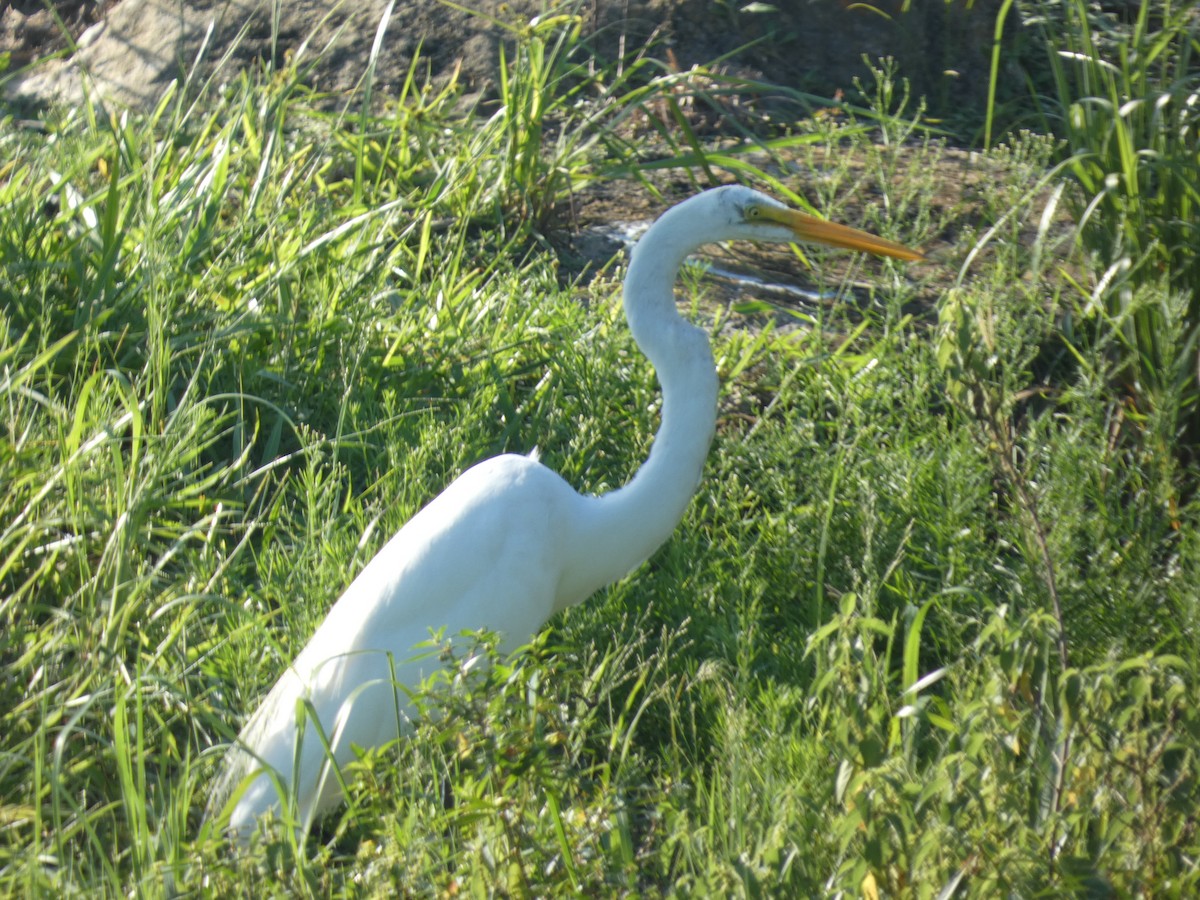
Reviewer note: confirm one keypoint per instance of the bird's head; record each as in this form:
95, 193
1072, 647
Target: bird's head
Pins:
746, 214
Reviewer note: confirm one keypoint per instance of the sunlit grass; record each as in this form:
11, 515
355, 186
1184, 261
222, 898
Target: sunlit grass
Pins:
928, 628
1125, 104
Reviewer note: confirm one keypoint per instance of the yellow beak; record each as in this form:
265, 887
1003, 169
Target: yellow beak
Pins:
809, 228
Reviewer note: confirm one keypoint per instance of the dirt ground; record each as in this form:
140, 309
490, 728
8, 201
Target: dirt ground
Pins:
29, 30
137, 46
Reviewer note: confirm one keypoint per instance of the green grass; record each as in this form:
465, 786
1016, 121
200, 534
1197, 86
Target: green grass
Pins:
928, 629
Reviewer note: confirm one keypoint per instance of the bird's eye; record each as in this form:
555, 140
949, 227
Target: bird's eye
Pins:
753, 212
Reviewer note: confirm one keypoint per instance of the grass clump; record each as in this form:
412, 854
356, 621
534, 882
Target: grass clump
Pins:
928, 628
1124, 101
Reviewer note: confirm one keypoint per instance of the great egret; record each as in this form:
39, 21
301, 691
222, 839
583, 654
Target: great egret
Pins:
509, 543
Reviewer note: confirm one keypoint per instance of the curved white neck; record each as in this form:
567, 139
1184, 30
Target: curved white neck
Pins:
630, 523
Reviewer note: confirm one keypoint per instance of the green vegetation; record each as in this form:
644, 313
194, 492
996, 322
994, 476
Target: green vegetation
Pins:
929, 628
1124, 98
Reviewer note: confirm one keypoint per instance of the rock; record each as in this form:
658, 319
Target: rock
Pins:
129, 57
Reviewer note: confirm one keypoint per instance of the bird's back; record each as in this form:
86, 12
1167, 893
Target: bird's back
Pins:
486, 553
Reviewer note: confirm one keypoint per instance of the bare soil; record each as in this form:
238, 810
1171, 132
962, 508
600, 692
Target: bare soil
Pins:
29, 29
133, 48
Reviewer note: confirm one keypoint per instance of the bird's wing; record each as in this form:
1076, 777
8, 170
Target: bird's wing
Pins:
486, 553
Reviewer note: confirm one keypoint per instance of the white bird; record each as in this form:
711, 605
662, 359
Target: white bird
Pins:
509, 543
